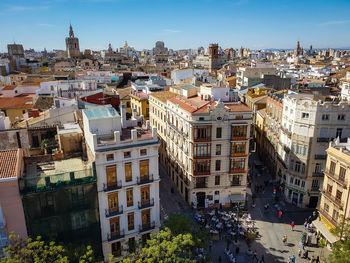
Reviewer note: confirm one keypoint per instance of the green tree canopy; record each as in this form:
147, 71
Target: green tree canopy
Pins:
40, 251
341, 249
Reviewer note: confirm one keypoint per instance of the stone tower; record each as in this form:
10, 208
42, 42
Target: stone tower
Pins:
213, 57
72, 45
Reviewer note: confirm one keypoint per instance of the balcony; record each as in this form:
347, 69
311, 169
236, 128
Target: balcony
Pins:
202, 139
146, 204
237, 170
317, 174
337, 179
239, 138
315, 189
323, 139
333, 199
204, 156
236, 183
145, 179
320, 156
147, 227
234, 154
201, 185
115, 235
112, 186
201, 172
328, 217
111, 212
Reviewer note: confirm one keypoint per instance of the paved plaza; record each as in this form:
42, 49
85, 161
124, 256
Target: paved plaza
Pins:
271, 228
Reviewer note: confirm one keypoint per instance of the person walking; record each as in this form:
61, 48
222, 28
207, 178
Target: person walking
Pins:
292, 226
284, 239
280, 214
299, 253
237, 251
262, 259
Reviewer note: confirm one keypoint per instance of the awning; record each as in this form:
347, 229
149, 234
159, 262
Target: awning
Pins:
321, 226
237, 198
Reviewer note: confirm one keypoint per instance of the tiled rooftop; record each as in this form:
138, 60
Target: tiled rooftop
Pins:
8, 162
16, 103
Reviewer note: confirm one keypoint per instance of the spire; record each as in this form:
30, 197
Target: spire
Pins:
298, 44
71, 33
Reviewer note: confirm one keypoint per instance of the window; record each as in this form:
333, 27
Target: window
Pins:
146, 218
131, 225
335, 215
218, 132
79, 220
143, 152
77, 194
3, 238
201, 166
305, 115
201, 150
329, 188
297, 166
202, 133
113, 203
339, 133
129, 197
297, 182
144, 170
325, 117
111, 173
114, 226
217, 180
318, 168
238, 164
326, 207
332, 168
239, 131
302, 184
315, 184
291, 180
239, 147
47, 204
128, 104
128, 172
116, 249
218, 149
217, 192
341, 117
127, 154
291, 164
110, 157
342, 172
145, 195
338, 195
217, 165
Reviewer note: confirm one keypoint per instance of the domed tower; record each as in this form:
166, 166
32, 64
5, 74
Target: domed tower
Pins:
72, 44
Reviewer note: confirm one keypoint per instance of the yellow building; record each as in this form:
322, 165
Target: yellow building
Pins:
139, 101
334, 204
16, 108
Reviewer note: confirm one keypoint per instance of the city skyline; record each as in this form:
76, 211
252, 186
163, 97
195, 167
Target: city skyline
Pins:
45, 24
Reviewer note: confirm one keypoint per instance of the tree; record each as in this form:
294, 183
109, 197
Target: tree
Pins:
32, 250
182, 224
39, 251
341, 249
164, 247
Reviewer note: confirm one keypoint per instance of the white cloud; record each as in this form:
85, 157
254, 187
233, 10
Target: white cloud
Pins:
20, 8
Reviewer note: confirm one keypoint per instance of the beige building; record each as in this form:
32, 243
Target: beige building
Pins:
158, 108
335, 205
208, 148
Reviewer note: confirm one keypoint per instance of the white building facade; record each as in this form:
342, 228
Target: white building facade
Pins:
127, 179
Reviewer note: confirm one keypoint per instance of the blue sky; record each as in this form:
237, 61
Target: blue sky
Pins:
179, 23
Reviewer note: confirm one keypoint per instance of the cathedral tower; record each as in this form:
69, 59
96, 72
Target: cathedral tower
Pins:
72, 45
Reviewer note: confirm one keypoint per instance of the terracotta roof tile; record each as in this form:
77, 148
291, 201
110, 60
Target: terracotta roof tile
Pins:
8, 162
16, 103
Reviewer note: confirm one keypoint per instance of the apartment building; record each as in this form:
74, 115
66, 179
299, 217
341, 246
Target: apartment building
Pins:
158, 113
250, 76
126, 157
268, 142
208, 147
139, 102
335, 205
308, 123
